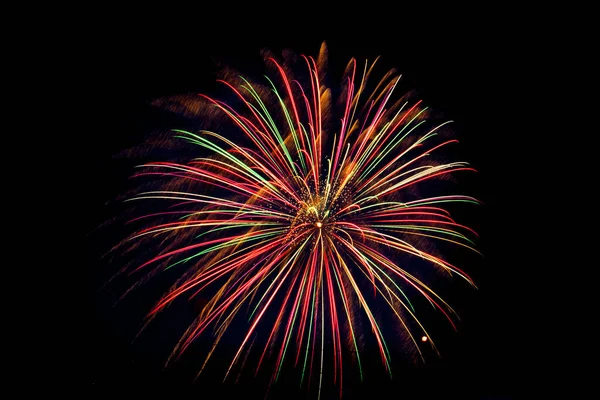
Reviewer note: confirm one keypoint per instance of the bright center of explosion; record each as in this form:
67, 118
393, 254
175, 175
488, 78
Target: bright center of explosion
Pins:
313, 213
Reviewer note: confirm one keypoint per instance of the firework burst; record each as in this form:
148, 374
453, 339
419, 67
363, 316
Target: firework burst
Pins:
298, 225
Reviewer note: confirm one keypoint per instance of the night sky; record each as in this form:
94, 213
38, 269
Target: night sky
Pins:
453, 72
